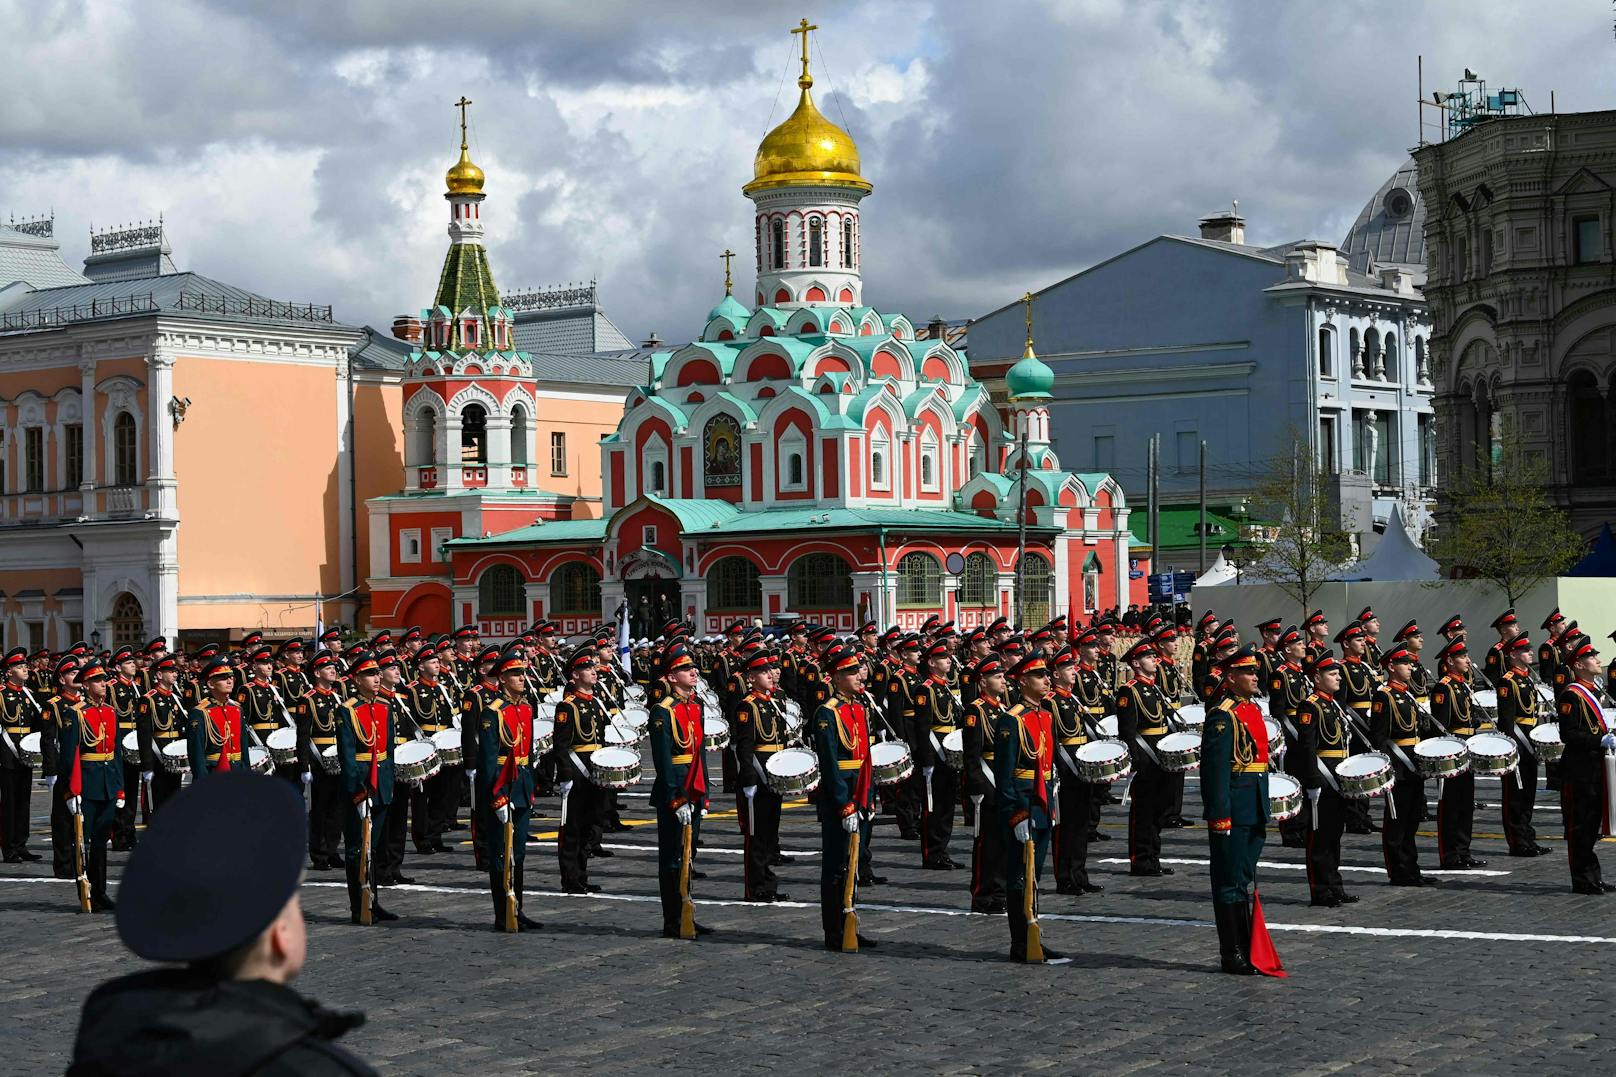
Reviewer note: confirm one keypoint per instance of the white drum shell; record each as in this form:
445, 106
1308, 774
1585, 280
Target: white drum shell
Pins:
792, 772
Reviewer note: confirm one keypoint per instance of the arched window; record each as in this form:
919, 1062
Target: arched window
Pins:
425, 452
125, 450
978, 454
1326, 352
575, 589
920, 580
794, 476
500, 593
1036, 581
1372, 356
929, 463
659, 477
816, 242
979, 583
519, 436
1388, 349
1589, 430
473, 434
1354, 354
1422, 372
792, 460
128, 621
777, 243
847, 243
721, 451
733, 586
819, 581
880, 448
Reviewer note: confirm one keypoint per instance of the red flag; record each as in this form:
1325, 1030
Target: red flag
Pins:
1264, 958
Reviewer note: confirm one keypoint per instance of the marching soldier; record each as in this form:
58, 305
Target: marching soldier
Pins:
91, 775
1234, 786
483, 686
1583, 794
760, 731
1071, 833
123, 694
290, 680
1111, 670
903, 684
1201, 653
411, 799
262, 705
934, 714
679, 791
1323, 733
1317, 633
580, 730
1024, 773
365, 726
434, 712
1394, 726
216, 729
1287, 687
1548, 654
982, 719
1268, 655
1141, 722
1369, 622
59, 712
1452, 709
19, 716
1518, 714
505, 795
1359, 678
845, 805
1508, 626
162, 716
318, 712
1420, 680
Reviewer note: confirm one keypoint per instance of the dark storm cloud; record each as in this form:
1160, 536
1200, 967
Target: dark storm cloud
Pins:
298, 147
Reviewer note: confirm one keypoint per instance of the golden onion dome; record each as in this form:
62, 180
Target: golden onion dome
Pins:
807, 150
464, 177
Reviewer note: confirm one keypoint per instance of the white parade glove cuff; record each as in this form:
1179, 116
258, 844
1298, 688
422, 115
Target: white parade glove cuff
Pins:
1023, 831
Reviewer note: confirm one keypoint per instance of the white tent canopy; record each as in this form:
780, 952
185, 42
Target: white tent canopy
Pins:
1220, 572
1395, 558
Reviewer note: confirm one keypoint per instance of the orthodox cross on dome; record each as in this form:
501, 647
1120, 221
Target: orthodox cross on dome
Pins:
462, 105
729, 282
805, 80
1026, 301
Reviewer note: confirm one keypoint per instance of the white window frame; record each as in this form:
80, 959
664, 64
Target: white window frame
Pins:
558, 442
791, 442
441, 535
881, 447
656, 452
930, 452
409, 546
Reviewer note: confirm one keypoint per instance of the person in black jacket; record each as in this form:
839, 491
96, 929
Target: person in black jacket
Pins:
226, 1008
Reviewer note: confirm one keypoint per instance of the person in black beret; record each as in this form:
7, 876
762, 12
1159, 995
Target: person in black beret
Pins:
225, 915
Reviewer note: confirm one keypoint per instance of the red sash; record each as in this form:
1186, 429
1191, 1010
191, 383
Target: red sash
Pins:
374, 728
521, 735
1039, 722
857, 738
229, 732
1252, 719
688, 715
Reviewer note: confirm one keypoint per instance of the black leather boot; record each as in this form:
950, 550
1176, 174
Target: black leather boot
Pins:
1233, 937
830, 915
1016, 910
524, 922
668, 887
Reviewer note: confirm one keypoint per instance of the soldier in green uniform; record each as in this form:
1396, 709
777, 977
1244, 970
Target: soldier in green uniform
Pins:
1234, 789
506, 784
845, 804
163, 717
679, 792
365, 730
216, 730
91, 775
1024, 775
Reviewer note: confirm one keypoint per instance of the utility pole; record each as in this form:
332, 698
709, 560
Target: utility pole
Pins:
1021, 530
1201, 528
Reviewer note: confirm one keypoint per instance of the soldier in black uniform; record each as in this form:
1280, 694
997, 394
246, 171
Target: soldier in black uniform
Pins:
408, 797
580, 729
1316, 629
904, 682
1287, 687
987, 845
439, 800
1096, 700
1223, 646
20, 715
1548, 654
1359, 679
1268, 656
484, 685
1508, 626
1141, 722
262, 707
163, 719
1582, 769
57, 716
1323, 739
1394, 726
290, 680
1370, 623
1070, 726
318, 711
1453, 711
933, 715
760, 731
123, 696
1519, 708
1201, 654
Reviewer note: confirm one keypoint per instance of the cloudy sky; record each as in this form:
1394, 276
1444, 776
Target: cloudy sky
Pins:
297, 148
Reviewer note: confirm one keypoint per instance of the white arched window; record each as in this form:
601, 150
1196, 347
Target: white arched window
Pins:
777, 243
978, 454
1326, 351
125, 450
654, 468
424, 443
793, 460
1388, 348
816, 241
473, 434
847, 243
519, 436
880, 461
930, 462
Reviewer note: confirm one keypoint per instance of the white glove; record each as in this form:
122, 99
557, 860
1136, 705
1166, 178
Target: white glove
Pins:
681, 813
850, 823
1023, 831
119, 804
1608, 741
146, 776
471, 776
503, 813
73, 805
308, 777
565, 787
750, 791
50, 781
925, 772
363, 807
1313, 795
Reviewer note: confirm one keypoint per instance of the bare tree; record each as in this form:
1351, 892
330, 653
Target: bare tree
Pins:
1308, 543
1499, 524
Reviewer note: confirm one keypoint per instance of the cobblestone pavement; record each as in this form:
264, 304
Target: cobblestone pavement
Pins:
1497, 970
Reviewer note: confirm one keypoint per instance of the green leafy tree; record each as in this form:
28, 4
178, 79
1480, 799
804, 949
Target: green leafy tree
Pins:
1308, 545
1499, 524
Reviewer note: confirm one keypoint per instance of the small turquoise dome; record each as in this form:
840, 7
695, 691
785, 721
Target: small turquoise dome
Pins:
730, 307
1030, 379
